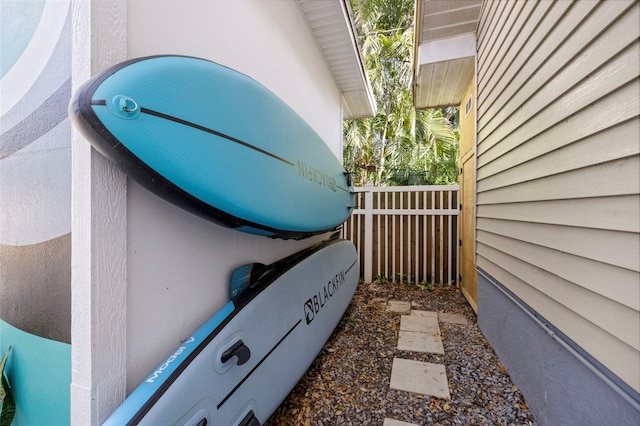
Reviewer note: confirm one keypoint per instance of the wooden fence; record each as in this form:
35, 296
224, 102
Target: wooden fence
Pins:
406, 233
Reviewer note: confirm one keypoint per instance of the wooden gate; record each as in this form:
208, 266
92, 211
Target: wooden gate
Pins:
406, 233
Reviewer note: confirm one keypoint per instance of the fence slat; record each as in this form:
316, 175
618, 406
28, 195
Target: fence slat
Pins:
387, 225
449, 243
433, 239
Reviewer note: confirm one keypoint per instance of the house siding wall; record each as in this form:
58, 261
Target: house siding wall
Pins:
558, 172
558, 389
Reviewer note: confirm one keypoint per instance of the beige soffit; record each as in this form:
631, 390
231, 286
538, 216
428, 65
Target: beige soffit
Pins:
331, 24
445, 48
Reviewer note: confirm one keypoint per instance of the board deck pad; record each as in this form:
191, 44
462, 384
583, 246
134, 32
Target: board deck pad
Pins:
243, 362
215, 142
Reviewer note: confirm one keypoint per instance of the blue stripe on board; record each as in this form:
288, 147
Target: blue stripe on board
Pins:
157, 380
44, 118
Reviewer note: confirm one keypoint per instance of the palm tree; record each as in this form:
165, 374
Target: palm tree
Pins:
399, 140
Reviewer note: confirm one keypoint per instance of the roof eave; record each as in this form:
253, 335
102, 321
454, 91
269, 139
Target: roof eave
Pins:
332, 27
445, 50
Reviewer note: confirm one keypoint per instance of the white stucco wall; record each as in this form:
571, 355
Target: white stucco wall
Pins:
178, 265
267, 40
146, 274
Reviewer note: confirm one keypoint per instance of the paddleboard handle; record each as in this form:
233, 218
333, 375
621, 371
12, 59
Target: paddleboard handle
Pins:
124, 107
250, 420
128, 105
239, 350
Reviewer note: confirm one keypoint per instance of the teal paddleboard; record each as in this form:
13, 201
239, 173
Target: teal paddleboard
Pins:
215, 142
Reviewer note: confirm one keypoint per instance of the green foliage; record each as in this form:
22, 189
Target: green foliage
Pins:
424, 285
380, 279
7, 402
400, 145
352, 321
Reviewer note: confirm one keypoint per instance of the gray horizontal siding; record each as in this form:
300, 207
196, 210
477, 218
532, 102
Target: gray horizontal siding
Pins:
558, 167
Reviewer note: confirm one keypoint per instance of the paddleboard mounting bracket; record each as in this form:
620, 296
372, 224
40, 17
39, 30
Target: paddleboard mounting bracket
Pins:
349, 176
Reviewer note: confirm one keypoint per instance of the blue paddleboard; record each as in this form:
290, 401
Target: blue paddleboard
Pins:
241, 364
215, 142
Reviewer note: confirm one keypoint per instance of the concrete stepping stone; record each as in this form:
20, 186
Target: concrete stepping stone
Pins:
427, 314
419, 323
393, 422
420, 333
419, 377
452, 318
415, 341
399, 307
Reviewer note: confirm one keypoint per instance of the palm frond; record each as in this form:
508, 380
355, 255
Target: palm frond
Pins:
399, 141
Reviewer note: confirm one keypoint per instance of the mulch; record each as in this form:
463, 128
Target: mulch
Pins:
348, 383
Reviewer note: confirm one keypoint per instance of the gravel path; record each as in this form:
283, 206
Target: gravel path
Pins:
348, 383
